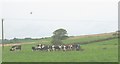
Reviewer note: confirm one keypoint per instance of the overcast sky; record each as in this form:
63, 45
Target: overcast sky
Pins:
78, 17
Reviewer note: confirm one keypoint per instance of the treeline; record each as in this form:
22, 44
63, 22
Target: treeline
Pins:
19, 40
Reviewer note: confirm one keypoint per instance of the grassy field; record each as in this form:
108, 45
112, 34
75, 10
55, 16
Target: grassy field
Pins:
106, 51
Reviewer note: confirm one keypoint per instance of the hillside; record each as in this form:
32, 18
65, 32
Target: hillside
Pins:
87, 38
72, 39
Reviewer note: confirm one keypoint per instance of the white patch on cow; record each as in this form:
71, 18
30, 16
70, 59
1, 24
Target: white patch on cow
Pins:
43, 46
39, 47
53, 47
60, 46
64, 48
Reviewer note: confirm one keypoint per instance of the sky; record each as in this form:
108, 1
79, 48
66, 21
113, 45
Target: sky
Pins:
78, 17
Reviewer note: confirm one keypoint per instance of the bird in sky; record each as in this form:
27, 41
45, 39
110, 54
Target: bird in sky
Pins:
30, 12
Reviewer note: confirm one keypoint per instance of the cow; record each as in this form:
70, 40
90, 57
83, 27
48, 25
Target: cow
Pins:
37, 47
60, 47
46, 48
34, 48
42, 47
49, 47
76, 47
55, 47
15, 47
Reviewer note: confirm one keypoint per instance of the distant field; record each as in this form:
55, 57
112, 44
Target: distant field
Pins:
105, 51
71, 39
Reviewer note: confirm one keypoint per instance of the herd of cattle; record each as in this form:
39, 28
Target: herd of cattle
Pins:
42, 47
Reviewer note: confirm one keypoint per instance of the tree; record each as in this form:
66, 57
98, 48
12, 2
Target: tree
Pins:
15, 38
58, 36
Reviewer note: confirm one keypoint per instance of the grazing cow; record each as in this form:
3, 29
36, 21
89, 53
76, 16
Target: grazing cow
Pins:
53, 47
15, 47
76, 47
60, 47
64, 48
56, 47
34, 48
49, 48
42, 47
46, 48
39, 47
70, 47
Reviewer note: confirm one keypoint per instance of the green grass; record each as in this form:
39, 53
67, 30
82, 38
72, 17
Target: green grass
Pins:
93, 52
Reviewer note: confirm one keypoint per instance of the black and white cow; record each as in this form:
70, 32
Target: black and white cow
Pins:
56, 47
60, 47
41, 47
76, 47
46, 48
34, 48
15, 47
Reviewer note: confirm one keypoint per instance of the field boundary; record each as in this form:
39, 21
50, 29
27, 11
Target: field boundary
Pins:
93, 41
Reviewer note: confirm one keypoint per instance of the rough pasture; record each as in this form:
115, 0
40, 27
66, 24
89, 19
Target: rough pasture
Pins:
106, 51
